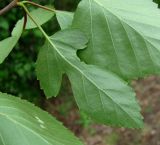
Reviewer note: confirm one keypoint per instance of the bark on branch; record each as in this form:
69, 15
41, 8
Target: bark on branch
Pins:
8, 7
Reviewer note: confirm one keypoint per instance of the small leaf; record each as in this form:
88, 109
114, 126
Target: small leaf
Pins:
48, 71
64, 19
23, 123
41, 16
99, 93
6, 45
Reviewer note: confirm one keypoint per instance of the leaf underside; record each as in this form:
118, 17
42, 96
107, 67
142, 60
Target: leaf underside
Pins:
64, 19
99, 93
23, 123
41, 16
124, 44
124, 36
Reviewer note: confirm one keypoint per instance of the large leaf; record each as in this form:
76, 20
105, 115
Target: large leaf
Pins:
23, 123
124, 35
6, 45
101, 94
64, 19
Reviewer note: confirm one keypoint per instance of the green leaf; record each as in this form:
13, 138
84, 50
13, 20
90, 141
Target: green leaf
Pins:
124, 35
41, 16
48, 71
6, 45
99, 93
64, 19
23, 123
48, 63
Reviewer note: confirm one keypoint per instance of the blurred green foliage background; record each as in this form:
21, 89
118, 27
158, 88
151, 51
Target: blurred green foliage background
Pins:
158, 2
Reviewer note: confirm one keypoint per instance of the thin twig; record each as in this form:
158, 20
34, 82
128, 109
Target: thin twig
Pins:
37, 5
34, 21
25, 20
8, 7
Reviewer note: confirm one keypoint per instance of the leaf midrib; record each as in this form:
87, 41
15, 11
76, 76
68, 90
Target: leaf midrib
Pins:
138, 32
25, 127
92, 81
121, 19
2, 139
14, 116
